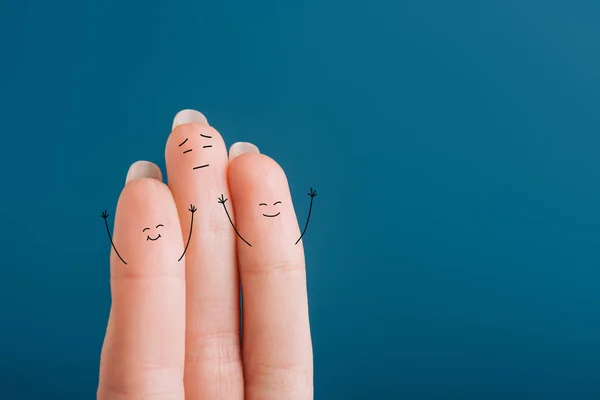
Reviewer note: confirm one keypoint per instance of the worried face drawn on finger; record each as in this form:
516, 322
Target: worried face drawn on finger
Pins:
190, 145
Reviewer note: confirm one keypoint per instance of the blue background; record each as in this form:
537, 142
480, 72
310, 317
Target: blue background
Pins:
453, 251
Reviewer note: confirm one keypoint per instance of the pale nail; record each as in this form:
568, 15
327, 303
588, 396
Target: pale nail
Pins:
239, 148
143, 169
189, 116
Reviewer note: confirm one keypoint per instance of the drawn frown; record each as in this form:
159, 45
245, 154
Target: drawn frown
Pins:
207, 146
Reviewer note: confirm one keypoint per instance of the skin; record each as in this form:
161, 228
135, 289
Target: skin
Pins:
174, 326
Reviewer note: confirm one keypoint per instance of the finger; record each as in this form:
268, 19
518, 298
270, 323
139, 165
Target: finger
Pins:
143, 351
196, 160
277, 349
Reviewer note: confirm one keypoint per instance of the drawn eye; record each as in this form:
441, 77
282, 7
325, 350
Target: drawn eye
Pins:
159, 225
145, 229
277, 202
262, 204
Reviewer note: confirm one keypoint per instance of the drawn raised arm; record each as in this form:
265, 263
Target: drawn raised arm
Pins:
312, 195
192, 210
104, 216
222, 200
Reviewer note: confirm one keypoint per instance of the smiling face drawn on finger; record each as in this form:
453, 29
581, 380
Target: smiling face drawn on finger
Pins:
270, 213
152, 236
187, 149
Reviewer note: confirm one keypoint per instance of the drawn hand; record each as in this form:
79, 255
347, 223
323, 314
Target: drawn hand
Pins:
312, 193
193, 209
222, 199
104, 214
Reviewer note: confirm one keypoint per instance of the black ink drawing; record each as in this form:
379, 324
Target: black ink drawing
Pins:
148, 237
104, 216
312, 195
189, 150
222, 200
192, 210
273, 215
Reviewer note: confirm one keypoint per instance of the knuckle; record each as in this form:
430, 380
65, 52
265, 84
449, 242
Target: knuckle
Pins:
130, 275
216, 347
279, 379
279, 267
149, 381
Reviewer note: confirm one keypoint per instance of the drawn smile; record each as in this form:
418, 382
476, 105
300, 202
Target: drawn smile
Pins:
153, 239
271, 216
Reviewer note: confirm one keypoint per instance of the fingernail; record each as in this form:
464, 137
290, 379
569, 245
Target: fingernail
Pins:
143, 169
239, 148
189, 116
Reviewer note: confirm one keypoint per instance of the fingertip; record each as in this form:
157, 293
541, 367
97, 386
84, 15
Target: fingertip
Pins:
154, 190
189, 116
240, 148
256, 168
147, 203
263, 205
143, 169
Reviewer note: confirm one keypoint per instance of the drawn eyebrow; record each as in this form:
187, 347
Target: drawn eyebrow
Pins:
187, 151
182, 143
145, 229
277, 202
262, 204
208, 145
200, 166
206, 136
159, 225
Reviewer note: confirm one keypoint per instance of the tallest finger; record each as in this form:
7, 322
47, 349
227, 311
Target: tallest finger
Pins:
196, 160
